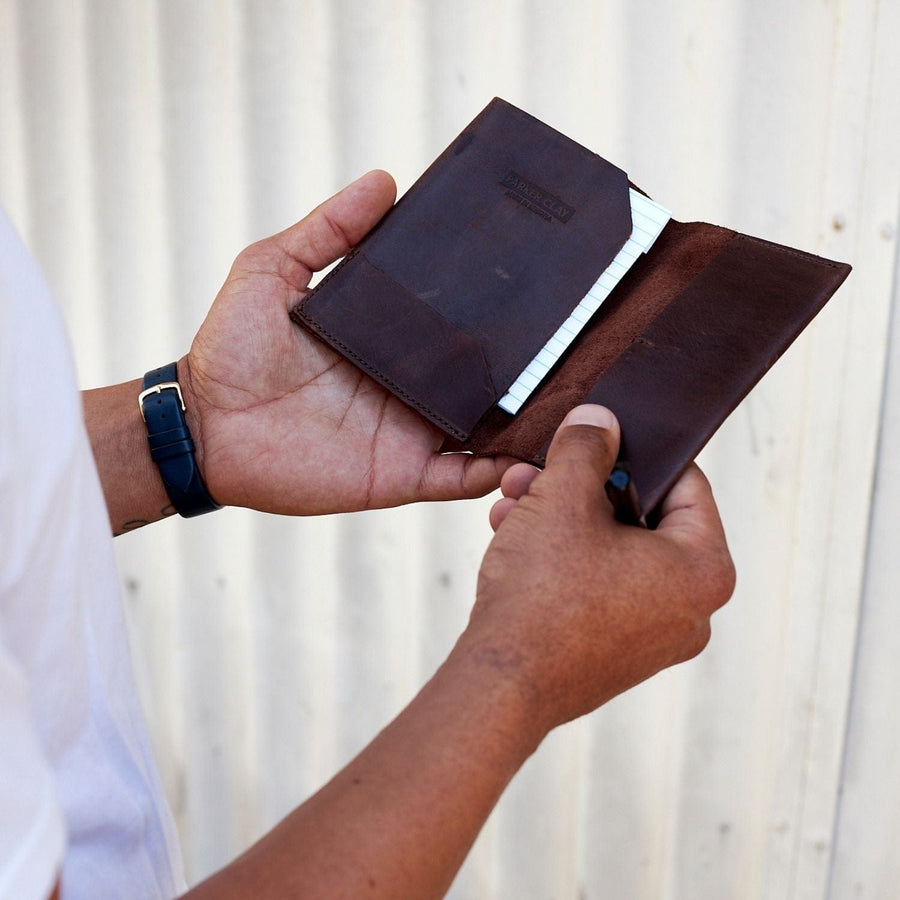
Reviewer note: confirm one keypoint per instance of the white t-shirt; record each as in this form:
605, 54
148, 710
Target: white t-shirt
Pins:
80, 798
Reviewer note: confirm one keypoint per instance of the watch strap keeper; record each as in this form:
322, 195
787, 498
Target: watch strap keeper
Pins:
171, 446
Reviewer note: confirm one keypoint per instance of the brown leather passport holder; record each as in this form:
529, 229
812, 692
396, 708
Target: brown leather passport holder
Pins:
461, 284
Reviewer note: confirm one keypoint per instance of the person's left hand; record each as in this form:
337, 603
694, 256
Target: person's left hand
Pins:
284, 424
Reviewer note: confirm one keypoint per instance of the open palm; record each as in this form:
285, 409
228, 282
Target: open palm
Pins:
283, 423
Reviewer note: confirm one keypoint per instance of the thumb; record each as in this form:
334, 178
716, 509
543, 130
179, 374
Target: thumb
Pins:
334, 227
585, 448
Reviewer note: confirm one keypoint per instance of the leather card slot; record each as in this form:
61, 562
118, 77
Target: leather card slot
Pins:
403, 344
505, 233
678, 256
682, 377
682, 340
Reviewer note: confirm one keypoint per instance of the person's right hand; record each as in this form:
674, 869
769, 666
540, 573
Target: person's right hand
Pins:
572, 608
576, 607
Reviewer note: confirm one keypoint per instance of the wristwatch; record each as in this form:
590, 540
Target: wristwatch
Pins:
171, 446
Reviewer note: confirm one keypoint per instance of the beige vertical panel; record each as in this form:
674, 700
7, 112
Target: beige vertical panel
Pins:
13, 171
58, 175
797, 534
861, 185
142, 144
865, 830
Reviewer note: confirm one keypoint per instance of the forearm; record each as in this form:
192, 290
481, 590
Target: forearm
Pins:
132, 487
399, 820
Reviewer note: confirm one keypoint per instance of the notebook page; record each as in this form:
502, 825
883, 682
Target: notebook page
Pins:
648, 220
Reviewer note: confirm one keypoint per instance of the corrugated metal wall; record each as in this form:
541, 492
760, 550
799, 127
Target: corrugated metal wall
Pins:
143, 144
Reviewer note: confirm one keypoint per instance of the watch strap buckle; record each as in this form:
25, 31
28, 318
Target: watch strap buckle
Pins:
158, 389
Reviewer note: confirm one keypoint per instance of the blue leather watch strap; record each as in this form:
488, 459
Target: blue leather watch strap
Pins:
171, 446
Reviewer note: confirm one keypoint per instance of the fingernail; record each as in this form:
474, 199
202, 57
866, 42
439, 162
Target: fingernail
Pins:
591, 414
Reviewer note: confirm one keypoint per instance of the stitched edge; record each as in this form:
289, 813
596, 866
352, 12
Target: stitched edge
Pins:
793, 251
389, 383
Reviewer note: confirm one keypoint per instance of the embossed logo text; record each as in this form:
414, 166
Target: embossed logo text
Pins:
535, 198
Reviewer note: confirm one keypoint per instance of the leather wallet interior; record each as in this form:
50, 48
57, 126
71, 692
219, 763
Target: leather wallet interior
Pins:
451, 296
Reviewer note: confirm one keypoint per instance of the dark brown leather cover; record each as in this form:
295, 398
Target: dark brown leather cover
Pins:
465, 279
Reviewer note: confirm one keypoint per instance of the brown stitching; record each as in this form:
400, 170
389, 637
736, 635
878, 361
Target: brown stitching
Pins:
380, 376
791, 251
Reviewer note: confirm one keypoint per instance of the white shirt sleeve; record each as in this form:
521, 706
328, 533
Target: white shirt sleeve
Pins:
32, 833
31, 825
79, 793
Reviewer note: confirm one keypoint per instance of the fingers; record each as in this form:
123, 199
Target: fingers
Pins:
338, 224
500, 510
517, 479
457, 476
599, 443
514, 484
689, 508
691, 519
587, 440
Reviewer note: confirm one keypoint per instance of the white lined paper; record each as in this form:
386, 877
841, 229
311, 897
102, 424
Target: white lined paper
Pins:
648, 220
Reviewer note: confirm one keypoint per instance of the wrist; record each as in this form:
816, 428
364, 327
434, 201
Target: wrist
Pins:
493, 676
193, 413
172, 447
132, 486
